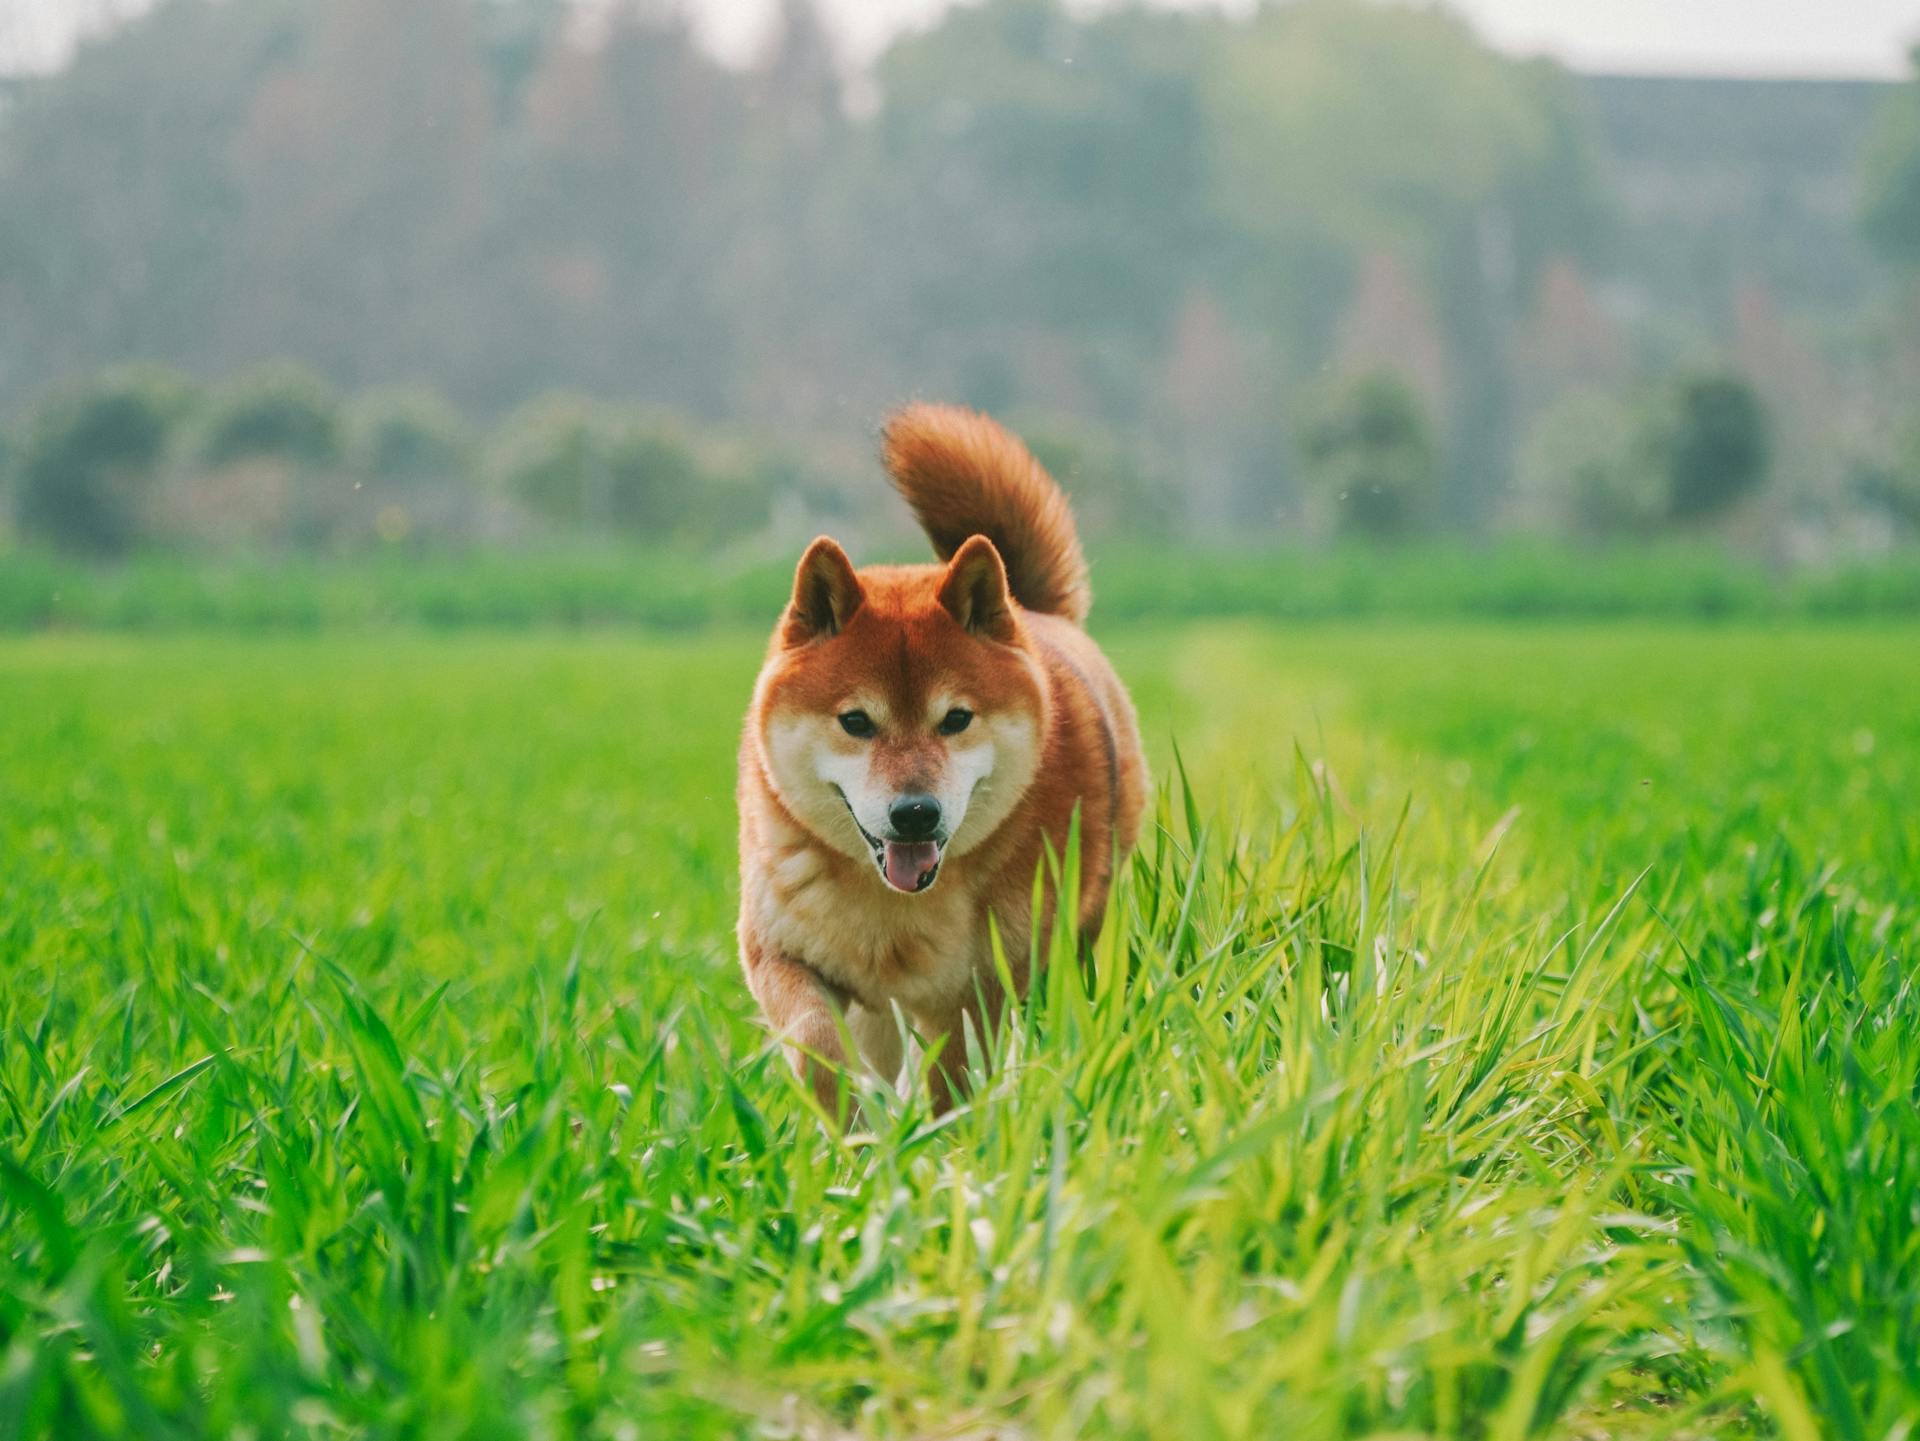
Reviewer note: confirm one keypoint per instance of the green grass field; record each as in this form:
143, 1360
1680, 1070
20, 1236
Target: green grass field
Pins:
1507, 1031
680, 590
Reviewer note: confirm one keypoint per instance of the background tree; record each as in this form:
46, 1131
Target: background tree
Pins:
91, 458
1893, 176
1116, 490
1034, 172
366, 160
120, 205
1367, 452
1585, 470
283, 412
1906, 487
622, 208
1148, 222
1892, 484
9, 504
408, 437
548, 458
1712, 443
578, 465
656, 486
1335, 129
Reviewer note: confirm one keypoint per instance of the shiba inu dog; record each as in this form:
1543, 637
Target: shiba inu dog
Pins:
919, 736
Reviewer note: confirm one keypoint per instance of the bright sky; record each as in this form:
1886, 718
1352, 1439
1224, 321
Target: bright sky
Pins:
1739, 37
1724, 37
1713, 37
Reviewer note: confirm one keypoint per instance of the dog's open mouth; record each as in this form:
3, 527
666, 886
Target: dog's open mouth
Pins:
907, 866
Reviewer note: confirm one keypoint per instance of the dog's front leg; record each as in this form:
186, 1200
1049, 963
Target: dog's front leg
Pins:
947, 1076
878, 1035
805, 1012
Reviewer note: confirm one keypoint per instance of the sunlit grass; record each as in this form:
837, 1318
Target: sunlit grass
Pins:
1499, 1035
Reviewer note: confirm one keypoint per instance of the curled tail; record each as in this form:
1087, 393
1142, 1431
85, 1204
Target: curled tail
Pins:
964, 474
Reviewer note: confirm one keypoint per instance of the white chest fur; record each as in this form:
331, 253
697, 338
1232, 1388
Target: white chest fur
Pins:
921, 951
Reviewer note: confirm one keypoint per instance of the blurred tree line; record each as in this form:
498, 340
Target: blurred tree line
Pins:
277, 460
1332, 266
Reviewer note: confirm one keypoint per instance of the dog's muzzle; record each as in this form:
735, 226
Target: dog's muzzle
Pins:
908, 865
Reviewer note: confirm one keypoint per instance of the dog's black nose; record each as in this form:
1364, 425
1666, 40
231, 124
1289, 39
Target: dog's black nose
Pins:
914, 817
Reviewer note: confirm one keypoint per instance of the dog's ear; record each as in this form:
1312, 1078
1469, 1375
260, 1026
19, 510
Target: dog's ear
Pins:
975, 590
826, 593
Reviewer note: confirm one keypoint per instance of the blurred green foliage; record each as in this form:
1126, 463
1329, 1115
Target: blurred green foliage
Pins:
1607, 466
1892, 185
1116, 490
1155, 223
600, 585
1368, 454
1585, 471
143, 459
1156, 232
281, 412
586, 467
1905, 489
91, 456
410, 436
1891, 483
1711, 443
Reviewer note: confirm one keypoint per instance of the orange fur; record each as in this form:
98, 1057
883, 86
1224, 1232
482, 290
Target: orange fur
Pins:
828, 942
965, 475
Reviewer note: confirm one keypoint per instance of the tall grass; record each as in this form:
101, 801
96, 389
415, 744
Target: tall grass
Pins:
1270, 1157
375, 1064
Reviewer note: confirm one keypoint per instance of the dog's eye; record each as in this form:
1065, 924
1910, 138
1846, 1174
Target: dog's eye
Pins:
955, 721
856, 723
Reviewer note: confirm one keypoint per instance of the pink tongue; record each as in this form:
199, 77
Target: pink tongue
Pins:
908, 864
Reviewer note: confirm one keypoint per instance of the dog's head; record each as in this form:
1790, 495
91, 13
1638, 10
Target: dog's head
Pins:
901, 710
